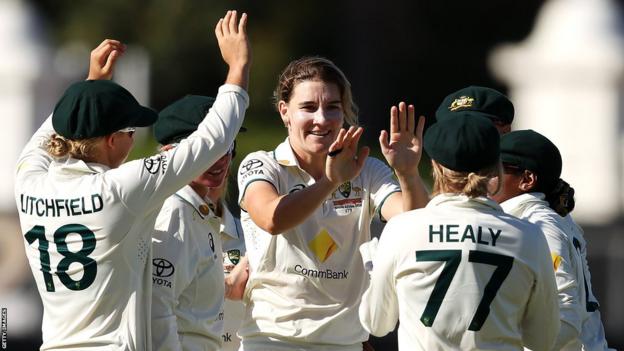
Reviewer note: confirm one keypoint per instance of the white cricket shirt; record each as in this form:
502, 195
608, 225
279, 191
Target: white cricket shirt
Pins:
87, 230
462, 275
187, 275
233, 243
577, 304
305, 284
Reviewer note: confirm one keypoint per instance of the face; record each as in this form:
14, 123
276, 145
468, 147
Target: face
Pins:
313, 116
214, 177
510, 186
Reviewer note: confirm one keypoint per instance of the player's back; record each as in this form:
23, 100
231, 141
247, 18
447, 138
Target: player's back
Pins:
469, 277
86, 247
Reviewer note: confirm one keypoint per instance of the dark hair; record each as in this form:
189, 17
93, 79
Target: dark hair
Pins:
561, 198
321, 69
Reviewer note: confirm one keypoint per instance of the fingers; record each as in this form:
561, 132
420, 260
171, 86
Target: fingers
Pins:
242, 25
402, 116
225, 23
421, 127
233, 23
411, 120
383, 141
219, 29
394, 120
336, 146
110, 61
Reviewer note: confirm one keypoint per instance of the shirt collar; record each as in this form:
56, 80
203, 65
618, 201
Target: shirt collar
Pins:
457, 200
192, 198
284, 154
74, 166
518, 203
228, 223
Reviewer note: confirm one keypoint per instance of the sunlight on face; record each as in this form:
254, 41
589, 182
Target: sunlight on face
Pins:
314, 116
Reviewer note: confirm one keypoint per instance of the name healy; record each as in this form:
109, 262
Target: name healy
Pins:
453, 233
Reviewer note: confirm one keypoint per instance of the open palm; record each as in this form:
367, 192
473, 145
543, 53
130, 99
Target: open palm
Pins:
402, 148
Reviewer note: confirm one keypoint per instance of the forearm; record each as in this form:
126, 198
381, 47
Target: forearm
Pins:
413, 192
238, 75
288, 211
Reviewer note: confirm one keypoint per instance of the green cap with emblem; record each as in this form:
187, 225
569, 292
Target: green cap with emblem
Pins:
463, 144
477, 101
529, 150
95, 108
181, 118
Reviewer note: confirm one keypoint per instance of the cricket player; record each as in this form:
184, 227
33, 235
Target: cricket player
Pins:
461, 274
87, 217
188, 279
532, 166
308, 205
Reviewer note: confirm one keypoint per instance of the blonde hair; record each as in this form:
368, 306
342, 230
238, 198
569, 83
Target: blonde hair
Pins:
83, 149
471, 184
319, 69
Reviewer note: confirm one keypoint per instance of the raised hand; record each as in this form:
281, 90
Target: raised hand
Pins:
103, 58
235, 48
344, 161
401, 147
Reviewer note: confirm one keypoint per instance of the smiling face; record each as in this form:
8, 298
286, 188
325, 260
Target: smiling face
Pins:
214, 177
313, 116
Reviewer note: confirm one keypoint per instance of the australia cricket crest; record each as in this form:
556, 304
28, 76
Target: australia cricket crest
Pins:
345, 189
234, 256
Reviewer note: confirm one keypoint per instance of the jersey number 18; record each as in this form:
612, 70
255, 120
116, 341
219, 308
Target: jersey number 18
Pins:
69, 257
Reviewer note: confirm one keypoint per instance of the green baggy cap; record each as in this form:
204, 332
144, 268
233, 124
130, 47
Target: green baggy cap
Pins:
95, 108
181, 118
477, 101
464, 144
529, 150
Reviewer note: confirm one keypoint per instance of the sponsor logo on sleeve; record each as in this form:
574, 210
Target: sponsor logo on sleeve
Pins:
250, 168
155, 164
250, 165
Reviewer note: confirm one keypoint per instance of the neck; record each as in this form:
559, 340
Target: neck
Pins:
202, 191
313, 164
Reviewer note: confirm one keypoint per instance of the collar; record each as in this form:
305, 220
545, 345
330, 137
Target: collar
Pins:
73, 166
457, 200
228, 223
284, 154
199, 204
519, 203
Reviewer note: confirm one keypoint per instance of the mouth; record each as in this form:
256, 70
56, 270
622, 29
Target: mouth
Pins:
319, 133
217, 172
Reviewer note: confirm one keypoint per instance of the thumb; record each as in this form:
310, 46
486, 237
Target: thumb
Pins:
383, 141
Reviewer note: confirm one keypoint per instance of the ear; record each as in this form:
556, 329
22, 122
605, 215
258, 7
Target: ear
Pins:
528, 181
282, 106
110, 140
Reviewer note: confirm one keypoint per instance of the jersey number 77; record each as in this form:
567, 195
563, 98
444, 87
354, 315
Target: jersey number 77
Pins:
452, 258
60, 236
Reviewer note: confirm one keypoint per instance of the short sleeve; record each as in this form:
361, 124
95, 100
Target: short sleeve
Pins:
382, 184
257, 166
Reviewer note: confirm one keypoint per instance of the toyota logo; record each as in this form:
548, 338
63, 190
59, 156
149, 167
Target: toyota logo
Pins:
249, 165
162, 268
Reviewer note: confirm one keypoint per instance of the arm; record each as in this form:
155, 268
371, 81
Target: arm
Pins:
541, 320
402, 150
379, 309
34, 157
567, 274
276, 213
146, 183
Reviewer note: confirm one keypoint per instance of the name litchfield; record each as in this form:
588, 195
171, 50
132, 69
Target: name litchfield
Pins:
452, 233
60, 207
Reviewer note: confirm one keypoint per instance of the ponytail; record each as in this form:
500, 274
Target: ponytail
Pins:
561, 198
